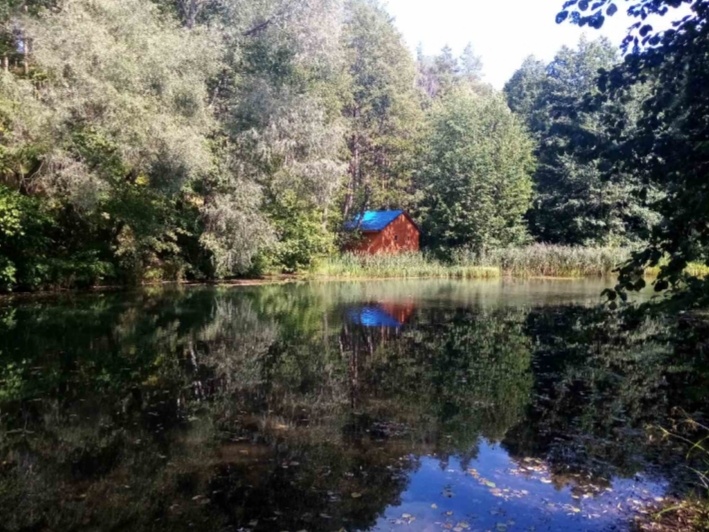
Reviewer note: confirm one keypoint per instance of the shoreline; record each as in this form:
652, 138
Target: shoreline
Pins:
280, 280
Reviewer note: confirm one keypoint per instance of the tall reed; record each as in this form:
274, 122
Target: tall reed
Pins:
537, 260
405, 265
544, 260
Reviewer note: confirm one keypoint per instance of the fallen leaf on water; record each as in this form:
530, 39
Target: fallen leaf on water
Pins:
434, 506
490, 484
356, 495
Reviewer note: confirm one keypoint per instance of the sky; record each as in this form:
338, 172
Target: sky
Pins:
502, 32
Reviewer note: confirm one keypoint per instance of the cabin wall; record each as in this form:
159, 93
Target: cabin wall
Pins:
400, 236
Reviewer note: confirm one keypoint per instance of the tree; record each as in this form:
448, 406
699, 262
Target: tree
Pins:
382, 110
475, 173
471, 65
524, 92
668, 148
114, 111
282, 118
577, 202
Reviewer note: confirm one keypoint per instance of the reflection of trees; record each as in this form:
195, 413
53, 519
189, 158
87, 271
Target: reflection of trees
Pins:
454, 376
152, 413
601, 381
214, 408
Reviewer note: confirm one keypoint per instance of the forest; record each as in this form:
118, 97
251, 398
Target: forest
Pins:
210, 139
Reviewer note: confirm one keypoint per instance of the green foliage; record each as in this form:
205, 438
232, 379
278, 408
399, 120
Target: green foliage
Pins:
475, 174
302, 236
438, 75
578, 201
382, 111
666, 148
173, 139
22, 240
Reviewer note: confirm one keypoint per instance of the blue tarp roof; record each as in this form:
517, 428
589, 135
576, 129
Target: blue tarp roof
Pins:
372, 317
373, 220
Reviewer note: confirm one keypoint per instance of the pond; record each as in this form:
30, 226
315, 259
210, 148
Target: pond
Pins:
417, 405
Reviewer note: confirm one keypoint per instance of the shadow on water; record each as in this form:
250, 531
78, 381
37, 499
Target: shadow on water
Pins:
425, 405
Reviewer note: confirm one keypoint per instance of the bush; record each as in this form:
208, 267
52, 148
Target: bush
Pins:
22, 240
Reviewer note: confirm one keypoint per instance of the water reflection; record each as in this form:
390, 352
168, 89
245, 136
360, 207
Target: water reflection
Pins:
329, 406
381, 315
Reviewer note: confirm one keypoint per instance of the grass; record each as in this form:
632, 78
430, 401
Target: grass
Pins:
692, 513
407, 265
543, 260
693, 269
537, 260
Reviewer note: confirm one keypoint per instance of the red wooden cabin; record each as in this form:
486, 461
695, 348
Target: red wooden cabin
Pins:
388, 232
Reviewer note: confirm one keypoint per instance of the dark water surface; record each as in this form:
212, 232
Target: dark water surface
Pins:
344, 406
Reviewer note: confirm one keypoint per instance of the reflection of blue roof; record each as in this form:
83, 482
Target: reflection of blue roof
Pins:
372, 317
373, 220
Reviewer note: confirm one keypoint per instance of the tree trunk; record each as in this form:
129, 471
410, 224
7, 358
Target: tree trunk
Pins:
353, 171
26, 55
355, 168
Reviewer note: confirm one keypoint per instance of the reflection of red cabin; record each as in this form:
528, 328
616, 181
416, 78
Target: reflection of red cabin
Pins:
387, 232
401, 312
